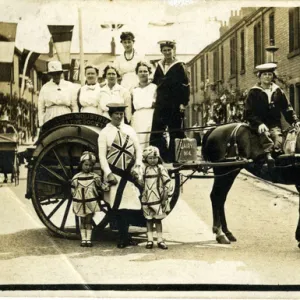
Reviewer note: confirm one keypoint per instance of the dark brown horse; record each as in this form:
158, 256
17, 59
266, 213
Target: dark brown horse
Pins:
221, 144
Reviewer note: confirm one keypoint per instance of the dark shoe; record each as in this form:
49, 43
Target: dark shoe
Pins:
149, 245
5, 181
162, 245
121, 245
89, 244
83, 244
131, 242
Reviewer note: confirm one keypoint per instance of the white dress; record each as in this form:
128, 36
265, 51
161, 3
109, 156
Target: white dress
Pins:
113, 155
143, 99
89, 99
56, 100
127, 70
118, 94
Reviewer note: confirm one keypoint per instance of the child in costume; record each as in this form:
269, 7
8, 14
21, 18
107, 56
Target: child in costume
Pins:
87, 188
155, 198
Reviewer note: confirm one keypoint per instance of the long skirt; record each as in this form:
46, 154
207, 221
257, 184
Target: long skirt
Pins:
142, 122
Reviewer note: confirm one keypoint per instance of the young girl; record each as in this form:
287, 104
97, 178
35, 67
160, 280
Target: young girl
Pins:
157, 188
87, 188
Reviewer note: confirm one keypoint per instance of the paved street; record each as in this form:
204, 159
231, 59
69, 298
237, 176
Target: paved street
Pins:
263, 218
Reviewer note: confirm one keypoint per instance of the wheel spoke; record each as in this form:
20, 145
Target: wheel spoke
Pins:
63, 223
53, 173
60, 162
48, 182
70, 160
56, 208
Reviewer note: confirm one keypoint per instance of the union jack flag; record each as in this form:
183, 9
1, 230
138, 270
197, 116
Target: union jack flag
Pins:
121, 153
75, 70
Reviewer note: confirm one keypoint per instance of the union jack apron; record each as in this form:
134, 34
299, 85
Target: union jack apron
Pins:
121, 158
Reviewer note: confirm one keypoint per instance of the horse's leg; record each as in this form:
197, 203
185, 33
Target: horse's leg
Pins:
297, 235
221, 187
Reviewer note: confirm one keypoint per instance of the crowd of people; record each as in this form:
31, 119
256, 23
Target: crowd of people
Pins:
133, 146
140, 112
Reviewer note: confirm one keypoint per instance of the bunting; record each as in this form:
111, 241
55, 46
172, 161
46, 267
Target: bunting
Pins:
62, 37
7, 48
31, 61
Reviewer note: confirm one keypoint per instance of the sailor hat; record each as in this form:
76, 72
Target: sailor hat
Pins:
268, 67
116, 107
167, 43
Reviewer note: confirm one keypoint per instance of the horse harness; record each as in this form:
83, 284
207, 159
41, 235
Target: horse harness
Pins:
232, 142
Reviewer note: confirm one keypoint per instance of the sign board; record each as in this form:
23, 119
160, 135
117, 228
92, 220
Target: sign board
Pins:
185, 150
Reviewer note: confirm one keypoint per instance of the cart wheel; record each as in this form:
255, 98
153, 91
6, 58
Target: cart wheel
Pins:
51, 187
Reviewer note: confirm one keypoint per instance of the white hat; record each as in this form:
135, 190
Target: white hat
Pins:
86, 155
54, 66
268, 67
150, 150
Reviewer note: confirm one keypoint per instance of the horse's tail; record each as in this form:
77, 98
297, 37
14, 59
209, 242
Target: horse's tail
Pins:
204, 140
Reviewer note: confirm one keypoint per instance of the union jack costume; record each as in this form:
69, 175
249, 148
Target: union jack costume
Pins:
87, 191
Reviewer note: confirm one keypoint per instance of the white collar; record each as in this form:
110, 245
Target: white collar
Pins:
116, 87
170, 66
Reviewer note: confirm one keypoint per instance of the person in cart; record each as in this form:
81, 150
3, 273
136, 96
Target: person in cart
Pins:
264, 105
57, 97
120, 153
172, 97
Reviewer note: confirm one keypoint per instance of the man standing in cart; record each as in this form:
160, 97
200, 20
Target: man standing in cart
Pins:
173, 93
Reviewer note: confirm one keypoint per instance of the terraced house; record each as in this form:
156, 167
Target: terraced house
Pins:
223, 71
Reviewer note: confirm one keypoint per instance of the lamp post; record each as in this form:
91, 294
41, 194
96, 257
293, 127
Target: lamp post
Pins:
271, 49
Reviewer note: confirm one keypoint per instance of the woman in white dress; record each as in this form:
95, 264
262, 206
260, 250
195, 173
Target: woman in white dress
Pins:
127, 61
57, 97
144, 97
112, 92
88, 97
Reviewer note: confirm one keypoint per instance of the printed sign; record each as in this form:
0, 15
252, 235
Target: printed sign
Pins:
186, 150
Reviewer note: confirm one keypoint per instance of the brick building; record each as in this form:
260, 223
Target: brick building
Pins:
227, 66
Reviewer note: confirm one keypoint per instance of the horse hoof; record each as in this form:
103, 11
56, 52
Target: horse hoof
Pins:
230, 237
222, 239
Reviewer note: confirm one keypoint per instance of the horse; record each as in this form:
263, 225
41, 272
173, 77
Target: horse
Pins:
237, 141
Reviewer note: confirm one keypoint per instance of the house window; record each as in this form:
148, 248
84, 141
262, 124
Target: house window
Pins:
216, 65
242, 36
233, 56
271, 30
202, 74
222, 63
294, 43
258, 47
292, 95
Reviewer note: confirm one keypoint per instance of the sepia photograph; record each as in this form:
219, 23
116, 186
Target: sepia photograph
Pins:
150, 149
